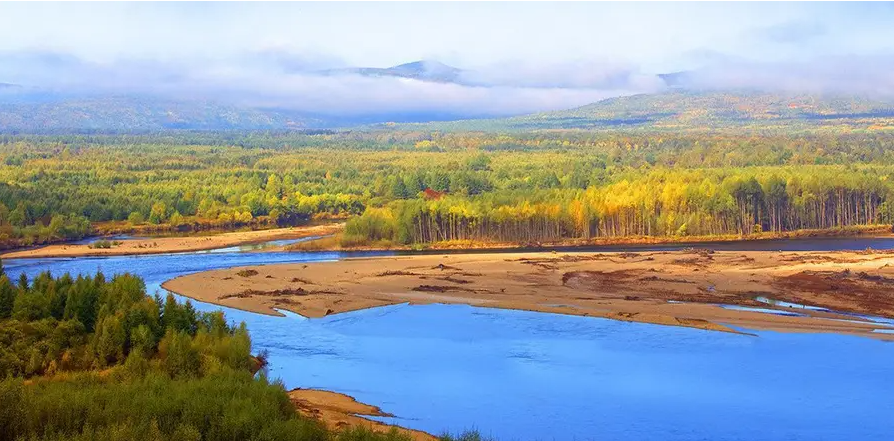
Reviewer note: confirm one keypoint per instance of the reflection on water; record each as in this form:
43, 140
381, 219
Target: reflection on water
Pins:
782, 304
761, 310
91, 239
525, 375
258, 246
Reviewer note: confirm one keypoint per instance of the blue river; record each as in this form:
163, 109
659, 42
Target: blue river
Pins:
516, 375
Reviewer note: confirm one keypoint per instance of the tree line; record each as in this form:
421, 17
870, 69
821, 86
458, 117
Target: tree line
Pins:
90, 357
658, 202
551, 184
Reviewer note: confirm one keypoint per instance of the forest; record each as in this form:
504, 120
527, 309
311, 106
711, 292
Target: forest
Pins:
413, 187
86, 358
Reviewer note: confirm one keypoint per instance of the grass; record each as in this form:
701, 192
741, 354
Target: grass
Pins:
469, 435
104, 244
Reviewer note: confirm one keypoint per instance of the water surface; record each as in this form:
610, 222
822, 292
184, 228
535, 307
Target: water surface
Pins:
521, 375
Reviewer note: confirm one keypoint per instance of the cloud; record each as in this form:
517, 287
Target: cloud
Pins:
280, 79
792, 32
567, 75
871, 75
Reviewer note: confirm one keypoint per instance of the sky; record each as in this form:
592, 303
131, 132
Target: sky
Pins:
523, 56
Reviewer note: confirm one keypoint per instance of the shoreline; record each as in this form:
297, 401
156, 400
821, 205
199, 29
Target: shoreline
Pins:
569, 245
340, 411
696, 288
174, 244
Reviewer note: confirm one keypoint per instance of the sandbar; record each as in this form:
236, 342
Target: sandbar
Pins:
339, 411
163, 245
678, 288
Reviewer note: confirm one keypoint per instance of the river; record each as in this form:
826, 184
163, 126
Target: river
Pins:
518, 375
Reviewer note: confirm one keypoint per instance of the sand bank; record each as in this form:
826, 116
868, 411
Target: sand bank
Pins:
338, 411
680, 288
864, 231
161, 245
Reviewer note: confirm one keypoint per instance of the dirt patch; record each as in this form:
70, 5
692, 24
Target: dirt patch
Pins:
596, 280
397, 273
300, 280
441, 288
443, 267
288, 292
844, 290
664, 279
276, 293
692, 261
455, 280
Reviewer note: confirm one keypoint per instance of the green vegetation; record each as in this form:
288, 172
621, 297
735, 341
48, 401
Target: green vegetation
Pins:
55, 325
418, 188
88, 358
680, 111
105, 244
130, 113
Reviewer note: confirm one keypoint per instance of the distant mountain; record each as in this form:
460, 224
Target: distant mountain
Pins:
418, 70
676, 79
688, 110
127, 113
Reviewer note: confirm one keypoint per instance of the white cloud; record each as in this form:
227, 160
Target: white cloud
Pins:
866, 75
279, 79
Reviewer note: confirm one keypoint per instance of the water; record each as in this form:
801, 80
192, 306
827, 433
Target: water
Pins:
761, 310
90, 239
521, 375
783, 304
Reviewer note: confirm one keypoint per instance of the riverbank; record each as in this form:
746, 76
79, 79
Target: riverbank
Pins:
335, 243
339, 411
161, 245
678, 288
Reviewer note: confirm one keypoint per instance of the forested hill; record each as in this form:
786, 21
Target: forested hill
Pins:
686, 110
671, 111
138, 114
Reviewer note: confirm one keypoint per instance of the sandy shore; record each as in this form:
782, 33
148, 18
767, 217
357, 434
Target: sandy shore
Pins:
680, 288
338, 411
864, 231
163, 245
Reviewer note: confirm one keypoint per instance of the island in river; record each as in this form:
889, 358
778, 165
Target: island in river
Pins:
175, 244
700, 288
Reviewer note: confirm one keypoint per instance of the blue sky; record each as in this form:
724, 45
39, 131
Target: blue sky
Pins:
654, 35
561, 43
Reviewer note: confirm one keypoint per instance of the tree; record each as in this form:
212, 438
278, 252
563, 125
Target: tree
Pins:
399, 188
157, 214
179, 357
7, 297
136, 218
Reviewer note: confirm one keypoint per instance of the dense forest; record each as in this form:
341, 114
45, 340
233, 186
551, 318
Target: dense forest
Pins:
415, 187
680, 110
87, 358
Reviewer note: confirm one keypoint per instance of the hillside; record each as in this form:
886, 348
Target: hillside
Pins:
139, 114
418, 70
683, 110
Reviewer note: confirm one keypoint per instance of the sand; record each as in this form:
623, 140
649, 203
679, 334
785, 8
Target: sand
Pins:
163, 245
679, 288
338, 411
